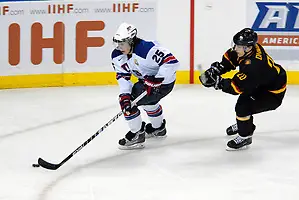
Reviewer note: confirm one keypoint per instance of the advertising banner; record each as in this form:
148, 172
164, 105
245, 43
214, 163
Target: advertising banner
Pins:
66, 37
277, 24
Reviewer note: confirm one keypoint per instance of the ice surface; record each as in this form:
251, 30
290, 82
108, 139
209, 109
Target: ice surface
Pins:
190, 164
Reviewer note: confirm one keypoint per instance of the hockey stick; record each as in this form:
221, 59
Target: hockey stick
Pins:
200, 69
202, 77
51, 166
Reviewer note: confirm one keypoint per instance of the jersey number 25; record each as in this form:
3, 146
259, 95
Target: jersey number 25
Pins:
158, 56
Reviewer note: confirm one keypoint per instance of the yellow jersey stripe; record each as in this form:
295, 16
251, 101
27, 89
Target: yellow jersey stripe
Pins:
243, 118
236, 89
279, 91
227, 58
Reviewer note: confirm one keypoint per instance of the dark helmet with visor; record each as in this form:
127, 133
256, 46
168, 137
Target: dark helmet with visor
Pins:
246, 37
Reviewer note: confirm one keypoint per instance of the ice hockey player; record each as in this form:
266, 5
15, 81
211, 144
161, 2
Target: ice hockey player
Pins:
155, 67
260, 84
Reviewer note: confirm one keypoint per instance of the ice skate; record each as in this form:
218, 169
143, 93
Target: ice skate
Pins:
160, 132
133, 140
239, 143
233, 129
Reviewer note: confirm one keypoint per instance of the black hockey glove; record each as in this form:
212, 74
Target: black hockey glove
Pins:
207, 79
217, 68
125, 103
152, 84
210, 79
218, 83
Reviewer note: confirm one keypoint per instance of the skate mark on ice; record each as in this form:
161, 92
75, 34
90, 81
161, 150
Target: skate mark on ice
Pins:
40, 126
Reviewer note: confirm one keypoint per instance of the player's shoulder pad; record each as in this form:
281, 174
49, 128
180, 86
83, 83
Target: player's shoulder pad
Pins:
115, 53
143, 47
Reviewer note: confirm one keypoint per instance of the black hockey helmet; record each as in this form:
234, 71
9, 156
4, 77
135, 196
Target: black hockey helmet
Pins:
246, 37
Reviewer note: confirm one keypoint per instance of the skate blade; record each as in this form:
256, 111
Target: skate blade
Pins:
131, 147
239, 149
231, 134
155, 137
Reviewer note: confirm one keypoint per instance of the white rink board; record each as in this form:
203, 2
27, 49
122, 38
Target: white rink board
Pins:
25, 14
168, 21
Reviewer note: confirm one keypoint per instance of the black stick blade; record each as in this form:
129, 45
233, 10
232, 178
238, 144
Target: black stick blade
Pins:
47, 165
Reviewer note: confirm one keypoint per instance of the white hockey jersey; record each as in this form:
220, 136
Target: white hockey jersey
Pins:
148, 58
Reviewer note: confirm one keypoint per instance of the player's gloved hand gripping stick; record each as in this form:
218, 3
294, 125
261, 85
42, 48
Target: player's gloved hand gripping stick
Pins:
211, 77
51, 166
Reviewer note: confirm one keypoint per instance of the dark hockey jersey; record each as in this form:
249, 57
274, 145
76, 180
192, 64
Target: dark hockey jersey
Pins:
257, 71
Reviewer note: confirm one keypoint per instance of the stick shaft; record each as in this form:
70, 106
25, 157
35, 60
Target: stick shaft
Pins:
51, 166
